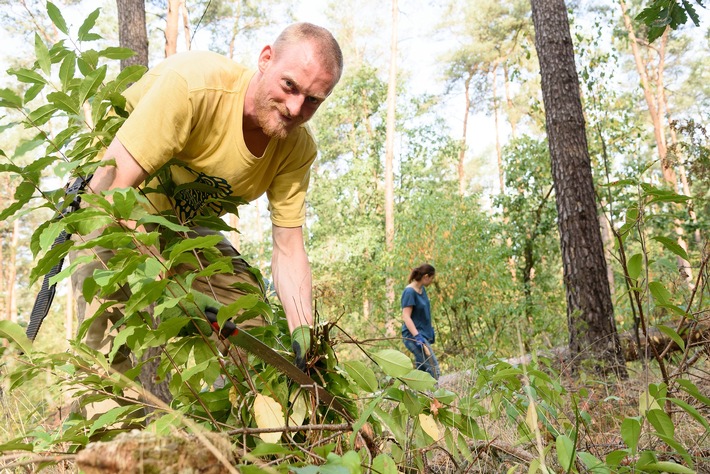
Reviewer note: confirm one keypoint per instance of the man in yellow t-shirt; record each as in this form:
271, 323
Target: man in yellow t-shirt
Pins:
198, 117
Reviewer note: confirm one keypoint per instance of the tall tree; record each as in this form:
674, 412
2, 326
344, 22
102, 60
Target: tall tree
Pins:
491, 34
175, 10
657, 108
132, 31
590, 314
389, 149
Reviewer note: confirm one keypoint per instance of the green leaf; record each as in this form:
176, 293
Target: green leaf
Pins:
196, 243
195, 369
16, 445
64, 102
272, 449
672, 246
42, 53
418, 380
393, 362
147, 295
128, 76
363, 376
88, 61
120, 340
565, 451
690, 388
91, 83
42, 115
670, 197
85, 28
634, 266
692, 411
614, 458
667, 466
110, 417
67, 70
51, 258
27, 146
676, 309
116, 53
591, 462
162, 221
27, 76
660, 293
661, 422
14, 333
32, 92
631, 432
676, 446
56, 16
670, 332
23, 194
8, 98
384, 464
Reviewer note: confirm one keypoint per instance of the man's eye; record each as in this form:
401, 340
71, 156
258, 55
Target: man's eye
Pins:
288, 84
313, 100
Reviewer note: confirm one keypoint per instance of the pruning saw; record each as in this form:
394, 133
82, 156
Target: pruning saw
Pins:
241, 338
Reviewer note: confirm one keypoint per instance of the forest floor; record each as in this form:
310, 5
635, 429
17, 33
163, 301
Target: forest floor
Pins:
607, 404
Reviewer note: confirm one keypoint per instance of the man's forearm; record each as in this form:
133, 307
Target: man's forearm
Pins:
292, 277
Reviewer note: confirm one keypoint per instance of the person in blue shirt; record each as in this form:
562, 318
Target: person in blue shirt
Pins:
417, 330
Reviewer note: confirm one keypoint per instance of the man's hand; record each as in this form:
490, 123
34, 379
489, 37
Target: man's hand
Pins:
301, 344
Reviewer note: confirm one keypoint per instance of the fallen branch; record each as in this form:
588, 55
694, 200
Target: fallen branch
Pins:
292, 429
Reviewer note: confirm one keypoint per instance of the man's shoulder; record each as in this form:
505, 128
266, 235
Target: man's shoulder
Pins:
202, 68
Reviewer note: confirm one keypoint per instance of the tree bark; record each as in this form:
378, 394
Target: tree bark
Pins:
132, 31
590, 314
146, 452
171, 27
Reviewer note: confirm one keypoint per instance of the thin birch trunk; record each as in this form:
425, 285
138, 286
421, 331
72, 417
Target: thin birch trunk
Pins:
171, 27
499, 151
655, 109
389, 153
12, 273
462, 151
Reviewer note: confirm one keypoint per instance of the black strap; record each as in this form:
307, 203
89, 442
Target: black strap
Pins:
46, 293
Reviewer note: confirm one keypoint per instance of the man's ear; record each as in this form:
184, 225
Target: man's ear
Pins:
265, 57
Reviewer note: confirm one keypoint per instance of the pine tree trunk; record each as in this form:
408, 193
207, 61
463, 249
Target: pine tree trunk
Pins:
590, 314
132, 31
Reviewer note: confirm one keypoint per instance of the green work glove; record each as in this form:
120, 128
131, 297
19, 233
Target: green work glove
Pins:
194, 309
301, 344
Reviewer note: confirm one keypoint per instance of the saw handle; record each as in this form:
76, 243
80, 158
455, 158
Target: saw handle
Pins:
228, 329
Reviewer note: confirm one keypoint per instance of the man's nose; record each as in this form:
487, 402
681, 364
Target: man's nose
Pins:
294, 105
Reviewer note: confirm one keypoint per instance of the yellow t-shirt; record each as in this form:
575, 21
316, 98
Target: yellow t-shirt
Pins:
190, 108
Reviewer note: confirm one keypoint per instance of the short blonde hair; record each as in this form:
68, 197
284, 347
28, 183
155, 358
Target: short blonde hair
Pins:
329, 47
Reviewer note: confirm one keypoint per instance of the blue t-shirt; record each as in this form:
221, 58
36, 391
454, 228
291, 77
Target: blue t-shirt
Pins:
421, 313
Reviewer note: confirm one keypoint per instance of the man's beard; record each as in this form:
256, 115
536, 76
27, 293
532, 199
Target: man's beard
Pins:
271, 126
268, 115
